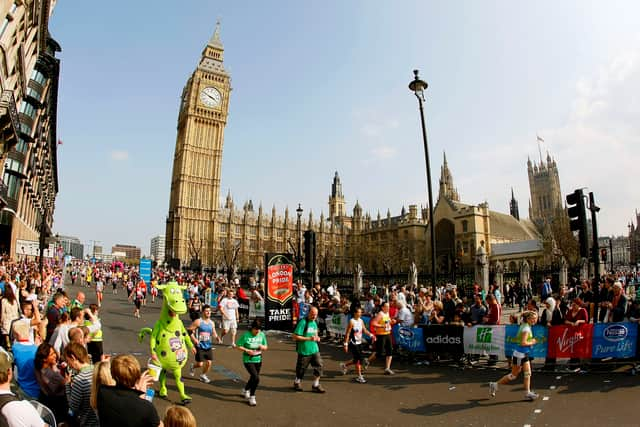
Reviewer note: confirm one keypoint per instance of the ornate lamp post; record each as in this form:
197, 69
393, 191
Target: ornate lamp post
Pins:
298, 255
418, 87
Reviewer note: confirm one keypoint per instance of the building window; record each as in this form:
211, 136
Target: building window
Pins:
223, 228
238, 229
38, 77
28, 109
253, 245
252, 230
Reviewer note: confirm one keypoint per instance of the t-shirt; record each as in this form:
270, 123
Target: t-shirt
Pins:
21, 413
24, 355
523, 350
307, 348
252, 342
122, 407
230, 305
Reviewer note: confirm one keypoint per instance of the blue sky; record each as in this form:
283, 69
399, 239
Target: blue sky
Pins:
320, 87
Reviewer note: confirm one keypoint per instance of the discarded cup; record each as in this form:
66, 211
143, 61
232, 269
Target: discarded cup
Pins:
154, 369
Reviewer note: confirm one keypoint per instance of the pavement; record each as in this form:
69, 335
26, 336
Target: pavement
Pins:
417, 395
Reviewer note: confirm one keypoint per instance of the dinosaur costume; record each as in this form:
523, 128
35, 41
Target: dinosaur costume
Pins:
170, 342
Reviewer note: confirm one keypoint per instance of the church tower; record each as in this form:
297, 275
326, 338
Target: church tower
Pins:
544, 185
513, 207
447, 189
197, 161
336, 199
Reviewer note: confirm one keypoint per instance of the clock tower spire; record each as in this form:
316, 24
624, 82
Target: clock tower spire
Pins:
197, 161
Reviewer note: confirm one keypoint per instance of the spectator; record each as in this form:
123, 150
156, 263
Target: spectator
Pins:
404, 316
617, 306
9, 308
78, 390
14, 412
51, 377
120, 405
53, 314
478, 311
31, 318
437, 316
179, 416
101, 375
24, 353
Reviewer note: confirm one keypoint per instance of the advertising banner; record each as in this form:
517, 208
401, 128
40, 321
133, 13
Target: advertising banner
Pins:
570, 341
443, 338
303, 310
145, 269
486, 339
410, 339
617, 340
337, 323
256, 309
540, 333
279, 298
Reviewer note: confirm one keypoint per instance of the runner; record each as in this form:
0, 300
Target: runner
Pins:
229, 309
353, 343
521, 360
382, 325
252, 343
201, 331
307, 339
99, 290
137, 296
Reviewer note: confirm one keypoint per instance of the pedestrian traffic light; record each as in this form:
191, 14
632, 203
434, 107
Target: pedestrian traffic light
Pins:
310, 250
578, 220
603, 254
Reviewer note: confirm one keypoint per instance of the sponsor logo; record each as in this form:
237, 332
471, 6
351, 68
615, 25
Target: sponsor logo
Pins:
615, 333
484, 335
567, 342
443, 340
280, 283
406, 333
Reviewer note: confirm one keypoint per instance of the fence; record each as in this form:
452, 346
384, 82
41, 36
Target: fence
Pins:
587, 341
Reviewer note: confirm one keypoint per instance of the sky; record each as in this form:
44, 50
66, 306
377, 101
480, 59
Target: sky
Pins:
320, 87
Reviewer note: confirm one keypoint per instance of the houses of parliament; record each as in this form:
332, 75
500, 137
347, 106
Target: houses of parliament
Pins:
201, 230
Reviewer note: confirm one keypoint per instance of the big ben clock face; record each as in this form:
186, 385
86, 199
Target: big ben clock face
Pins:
210, 97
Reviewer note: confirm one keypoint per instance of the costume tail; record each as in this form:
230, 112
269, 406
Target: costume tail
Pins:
142, 333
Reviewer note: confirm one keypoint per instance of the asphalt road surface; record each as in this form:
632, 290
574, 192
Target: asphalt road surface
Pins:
418, 395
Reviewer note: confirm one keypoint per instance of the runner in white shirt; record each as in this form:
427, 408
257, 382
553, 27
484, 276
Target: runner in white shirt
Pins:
229, 309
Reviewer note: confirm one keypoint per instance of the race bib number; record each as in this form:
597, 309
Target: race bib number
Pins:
181, 355
204, 336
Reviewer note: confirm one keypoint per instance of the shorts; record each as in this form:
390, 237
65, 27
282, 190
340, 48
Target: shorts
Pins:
520, 360
228, 325
138, 303
356, 352
383, 345
202, 355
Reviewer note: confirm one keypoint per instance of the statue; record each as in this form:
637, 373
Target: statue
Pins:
564, 271
170, 342
524, 272
482, 267
357, 286
413, 276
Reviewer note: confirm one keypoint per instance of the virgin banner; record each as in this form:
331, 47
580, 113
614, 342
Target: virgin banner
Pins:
617, 340
540, 333
570, 341
279, 298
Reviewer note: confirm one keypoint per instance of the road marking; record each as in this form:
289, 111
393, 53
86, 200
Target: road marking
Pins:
545, 398
552, 387
527, 425
537, 411
559, 377
452, 387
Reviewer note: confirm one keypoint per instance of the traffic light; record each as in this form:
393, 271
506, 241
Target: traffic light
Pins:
578, 220
603, 254
310, 250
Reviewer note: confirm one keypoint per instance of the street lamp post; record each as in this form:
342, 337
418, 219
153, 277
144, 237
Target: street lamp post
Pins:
418, 87
298, 255
43, 235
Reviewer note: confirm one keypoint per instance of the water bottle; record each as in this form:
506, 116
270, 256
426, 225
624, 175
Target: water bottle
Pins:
149, 394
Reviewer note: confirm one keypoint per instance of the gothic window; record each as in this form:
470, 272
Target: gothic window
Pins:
238, 229
223, 228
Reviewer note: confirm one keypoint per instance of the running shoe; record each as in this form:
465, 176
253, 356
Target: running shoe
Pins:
205, 379
246, 394
252, 401
531, 396
191, 370
361, 379
297, 387
318, 389
389, 372
493, 387
344, 368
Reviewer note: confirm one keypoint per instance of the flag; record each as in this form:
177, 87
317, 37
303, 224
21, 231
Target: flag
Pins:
538, 137
59, 142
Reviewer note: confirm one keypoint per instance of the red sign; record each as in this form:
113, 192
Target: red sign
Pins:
570, 341
280, 282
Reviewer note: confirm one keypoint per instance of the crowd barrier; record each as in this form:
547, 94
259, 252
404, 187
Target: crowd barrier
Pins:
586, 341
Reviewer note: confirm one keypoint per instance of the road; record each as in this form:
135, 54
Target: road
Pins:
417, 395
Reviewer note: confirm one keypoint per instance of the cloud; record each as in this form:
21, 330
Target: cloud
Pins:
119, 155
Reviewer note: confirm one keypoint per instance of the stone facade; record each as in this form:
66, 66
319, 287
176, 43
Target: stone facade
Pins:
29, 73
634, 241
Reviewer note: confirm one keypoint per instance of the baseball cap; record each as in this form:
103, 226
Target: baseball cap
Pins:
6, 360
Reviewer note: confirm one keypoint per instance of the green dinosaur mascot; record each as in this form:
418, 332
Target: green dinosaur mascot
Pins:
170, 343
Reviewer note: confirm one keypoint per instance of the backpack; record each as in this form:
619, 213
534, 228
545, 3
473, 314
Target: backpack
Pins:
4, 399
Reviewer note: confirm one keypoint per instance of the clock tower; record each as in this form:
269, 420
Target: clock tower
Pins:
197, 161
